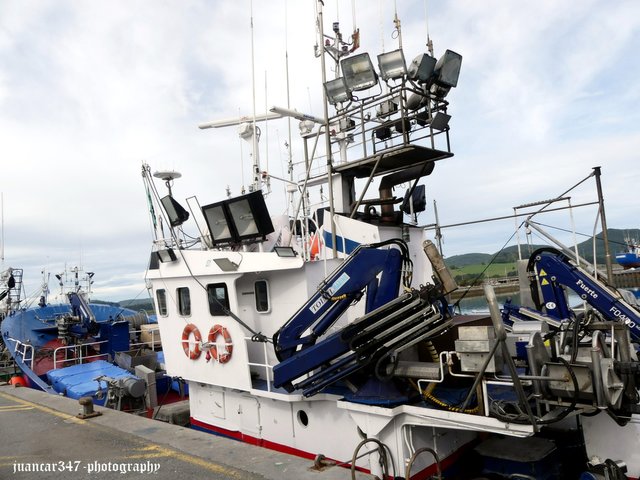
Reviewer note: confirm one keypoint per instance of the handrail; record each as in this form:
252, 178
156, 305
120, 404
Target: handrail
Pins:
153, 332
267, 368
78, 358
23, 352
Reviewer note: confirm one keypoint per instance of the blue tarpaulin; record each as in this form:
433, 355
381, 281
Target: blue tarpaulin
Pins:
79, 381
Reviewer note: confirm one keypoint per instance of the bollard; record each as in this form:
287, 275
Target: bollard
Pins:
87, 408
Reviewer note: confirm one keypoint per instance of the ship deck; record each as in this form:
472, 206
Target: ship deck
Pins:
45, 434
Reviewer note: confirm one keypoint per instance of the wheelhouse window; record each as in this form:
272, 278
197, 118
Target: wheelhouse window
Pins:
161, 299
184, 301
218, 298
261, 291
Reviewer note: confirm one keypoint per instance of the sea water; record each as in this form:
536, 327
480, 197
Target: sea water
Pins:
478, 305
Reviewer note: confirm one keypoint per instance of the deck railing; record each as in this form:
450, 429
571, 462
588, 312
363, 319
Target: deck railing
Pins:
77, 351
268, 369
154, 343
24, 352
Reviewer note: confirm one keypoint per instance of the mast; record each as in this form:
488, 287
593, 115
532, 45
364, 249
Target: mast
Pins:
327, 137
256, 161
438, 231
397, 24
603, 221
290, 200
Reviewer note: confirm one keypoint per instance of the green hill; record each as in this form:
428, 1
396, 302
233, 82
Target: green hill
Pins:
508, 255
466, 259
133, 304
585, 249
138, 304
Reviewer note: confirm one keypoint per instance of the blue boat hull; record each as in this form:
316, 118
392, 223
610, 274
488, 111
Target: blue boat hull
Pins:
628, 260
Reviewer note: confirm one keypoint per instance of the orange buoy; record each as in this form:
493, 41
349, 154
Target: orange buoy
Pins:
194, 352
224, 356
18, 381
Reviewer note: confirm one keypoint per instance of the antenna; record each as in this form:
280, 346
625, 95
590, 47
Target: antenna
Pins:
398, 26
230, 122
288, 112
254, 143
168, 176
426, 19
248, 132
286, 65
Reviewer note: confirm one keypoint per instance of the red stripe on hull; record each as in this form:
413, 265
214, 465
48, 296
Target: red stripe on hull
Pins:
260, 442
278, 447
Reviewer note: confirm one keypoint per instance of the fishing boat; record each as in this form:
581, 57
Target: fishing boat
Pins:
327, 333
67, 345
630, 258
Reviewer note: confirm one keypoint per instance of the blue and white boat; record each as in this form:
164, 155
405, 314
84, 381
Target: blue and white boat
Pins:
326, 333
631, 257
76, 348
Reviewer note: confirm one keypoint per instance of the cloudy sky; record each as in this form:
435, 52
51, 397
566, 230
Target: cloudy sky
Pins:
91, 89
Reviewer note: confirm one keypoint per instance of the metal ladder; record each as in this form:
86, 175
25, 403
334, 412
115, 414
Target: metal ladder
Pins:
15, 293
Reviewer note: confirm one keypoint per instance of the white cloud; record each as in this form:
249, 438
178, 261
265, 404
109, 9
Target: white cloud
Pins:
88, 90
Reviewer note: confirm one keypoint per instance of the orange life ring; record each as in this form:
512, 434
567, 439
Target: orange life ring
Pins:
224, 356
186, 333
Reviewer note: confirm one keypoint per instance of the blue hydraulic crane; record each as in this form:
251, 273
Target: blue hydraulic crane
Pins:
395, 319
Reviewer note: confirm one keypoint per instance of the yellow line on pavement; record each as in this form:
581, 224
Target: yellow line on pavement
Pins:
145, 455
13, 459
51, 411
201, 462
13, 408
156, 451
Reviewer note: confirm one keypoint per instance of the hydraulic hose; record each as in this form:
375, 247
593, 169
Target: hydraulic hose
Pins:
576, 391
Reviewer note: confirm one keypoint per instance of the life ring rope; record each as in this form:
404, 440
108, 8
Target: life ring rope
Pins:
192, 353
225, 355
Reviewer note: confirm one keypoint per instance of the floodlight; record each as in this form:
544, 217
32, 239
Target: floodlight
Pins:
417, 100
358, 72
346, 124
177, 214
386, 108
243, 218
167, 255
440, 121
416, 202
447, 69
337, 91
226, 265
402, 125
287, 252
383, 132
218, 223
421, 68
250, 216
392, 65
439, 90
423, 118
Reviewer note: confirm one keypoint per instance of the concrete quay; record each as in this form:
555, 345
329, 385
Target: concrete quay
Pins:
42, 438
